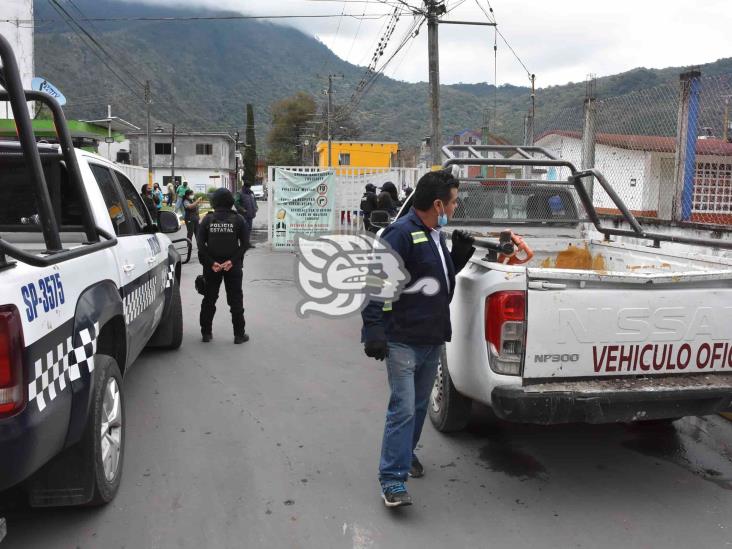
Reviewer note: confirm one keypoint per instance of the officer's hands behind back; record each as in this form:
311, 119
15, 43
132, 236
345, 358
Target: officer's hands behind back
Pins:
376, 349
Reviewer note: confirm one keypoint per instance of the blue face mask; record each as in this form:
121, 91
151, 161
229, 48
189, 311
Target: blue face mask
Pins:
442, 218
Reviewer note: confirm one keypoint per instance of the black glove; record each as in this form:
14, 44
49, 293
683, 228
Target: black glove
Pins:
462, 239
376, 349
462, 248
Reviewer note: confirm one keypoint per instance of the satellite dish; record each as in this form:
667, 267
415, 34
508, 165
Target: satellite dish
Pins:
43, 85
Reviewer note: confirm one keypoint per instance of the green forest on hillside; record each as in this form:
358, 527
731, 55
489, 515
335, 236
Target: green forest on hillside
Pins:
204, 73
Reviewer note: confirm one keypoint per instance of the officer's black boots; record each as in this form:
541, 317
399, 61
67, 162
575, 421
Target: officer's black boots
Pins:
241, 339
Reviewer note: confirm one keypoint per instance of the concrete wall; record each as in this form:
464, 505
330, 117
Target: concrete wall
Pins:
620, 166
222, 156
20, 36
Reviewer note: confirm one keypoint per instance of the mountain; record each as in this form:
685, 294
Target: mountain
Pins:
203, 73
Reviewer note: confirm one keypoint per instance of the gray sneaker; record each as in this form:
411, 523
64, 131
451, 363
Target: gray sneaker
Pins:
396, 495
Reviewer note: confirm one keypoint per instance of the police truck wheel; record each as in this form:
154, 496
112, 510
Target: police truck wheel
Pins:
105, 435
449, 410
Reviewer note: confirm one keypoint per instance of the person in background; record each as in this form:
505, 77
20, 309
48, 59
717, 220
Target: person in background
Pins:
171, 194
408, 192
191, 217
147, 199
246, 205
368, 205
157, 195
222, 242
388, 198
180, 194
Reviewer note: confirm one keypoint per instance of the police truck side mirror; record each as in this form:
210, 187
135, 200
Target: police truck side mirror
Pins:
168, 222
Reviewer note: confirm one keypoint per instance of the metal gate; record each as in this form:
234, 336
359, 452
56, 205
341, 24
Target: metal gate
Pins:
350, 184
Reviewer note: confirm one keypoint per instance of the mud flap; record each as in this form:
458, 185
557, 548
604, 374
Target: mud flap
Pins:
63, 481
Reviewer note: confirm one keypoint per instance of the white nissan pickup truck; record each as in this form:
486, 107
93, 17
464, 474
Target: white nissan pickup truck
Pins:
87, 280
586, 323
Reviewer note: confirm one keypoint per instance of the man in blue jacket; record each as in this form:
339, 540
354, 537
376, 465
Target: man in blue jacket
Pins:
410, 332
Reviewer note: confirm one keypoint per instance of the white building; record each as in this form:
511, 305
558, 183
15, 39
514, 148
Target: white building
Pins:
641, 170
19, 32
204, 159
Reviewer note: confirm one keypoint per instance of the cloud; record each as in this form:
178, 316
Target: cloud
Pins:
560, 41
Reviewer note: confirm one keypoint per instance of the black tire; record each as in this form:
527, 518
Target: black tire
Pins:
169, 334
449, 411
105, 487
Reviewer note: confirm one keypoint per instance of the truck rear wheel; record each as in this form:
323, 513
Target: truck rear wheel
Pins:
449, 410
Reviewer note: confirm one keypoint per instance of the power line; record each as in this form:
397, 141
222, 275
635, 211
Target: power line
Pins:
370, 16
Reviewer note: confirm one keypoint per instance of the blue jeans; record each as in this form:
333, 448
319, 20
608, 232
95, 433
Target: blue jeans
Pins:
411, 370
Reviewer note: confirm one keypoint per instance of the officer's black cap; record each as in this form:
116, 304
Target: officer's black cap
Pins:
222, 198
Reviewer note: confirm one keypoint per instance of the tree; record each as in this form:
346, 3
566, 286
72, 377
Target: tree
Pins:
250, 152
289, 118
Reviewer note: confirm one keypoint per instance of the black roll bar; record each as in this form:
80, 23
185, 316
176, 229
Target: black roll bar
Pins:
69, 156
14, 91
575, 179
18, 97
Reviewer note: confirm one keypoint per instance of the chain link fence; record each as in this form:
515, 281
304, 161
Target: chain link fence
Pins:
636, 137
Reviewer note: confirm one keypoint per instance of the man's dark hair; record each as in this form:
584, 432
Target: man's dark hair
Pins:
433, 186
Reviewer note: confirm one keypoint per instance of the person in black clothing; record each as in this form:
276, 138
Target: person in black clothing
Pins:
246, 205
389, 198
368, 205
222, 241
147, 199
191, 217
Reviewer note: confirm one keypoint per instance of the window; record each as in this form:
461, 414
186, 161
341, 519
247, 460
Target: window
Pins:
163, 148
344, 159
204, 148
138, 211
112, 199
713, 188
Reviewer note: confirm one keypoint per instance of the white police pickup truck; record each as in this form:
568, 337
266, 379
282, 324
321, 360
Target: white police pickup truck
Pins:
587, 322
87, 280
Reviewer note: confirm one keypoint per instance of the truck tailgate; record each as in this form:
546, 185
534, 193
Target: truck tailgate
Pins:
583, 330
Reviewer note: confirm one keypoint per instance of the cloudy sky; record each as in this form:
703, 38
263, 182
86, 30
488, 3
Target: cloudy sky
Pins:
560, 40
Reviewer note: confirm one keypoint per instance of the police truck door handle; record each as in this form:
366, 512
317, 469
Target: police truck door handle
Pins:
150, 260
128, 268
543, 285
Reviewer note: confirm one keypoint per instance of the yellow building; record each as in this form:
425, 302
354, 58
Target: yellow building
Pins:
359, 154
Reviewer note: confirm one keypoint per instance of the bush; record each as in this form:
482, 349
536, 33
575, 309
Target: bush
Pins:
212, 189
200, 195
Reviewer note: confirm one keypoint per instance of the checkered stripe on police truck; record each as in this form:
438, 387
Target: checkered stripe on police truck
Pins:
171, 276
62, 365
140, 299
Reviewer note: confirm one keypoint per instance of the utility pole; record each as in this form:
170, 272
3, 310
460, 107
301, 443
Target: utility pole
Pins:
589, 132
725, 128
148, 101
434, 9
172, 157
330, 112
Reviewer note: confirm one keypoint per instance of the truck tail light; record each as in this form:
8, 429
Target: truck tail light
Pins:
12, 393
505, 330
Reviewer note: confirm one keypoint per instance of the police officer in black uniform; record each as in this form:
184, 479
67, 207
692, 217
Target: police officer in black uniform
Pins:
222, 241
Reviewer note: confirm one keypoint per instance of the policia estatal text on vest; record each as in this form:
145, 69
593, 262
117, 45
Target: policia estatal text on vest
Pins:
222, 241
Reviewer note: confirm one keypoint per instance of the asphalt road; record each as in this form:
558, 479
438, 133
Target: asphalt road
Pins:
275, 443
